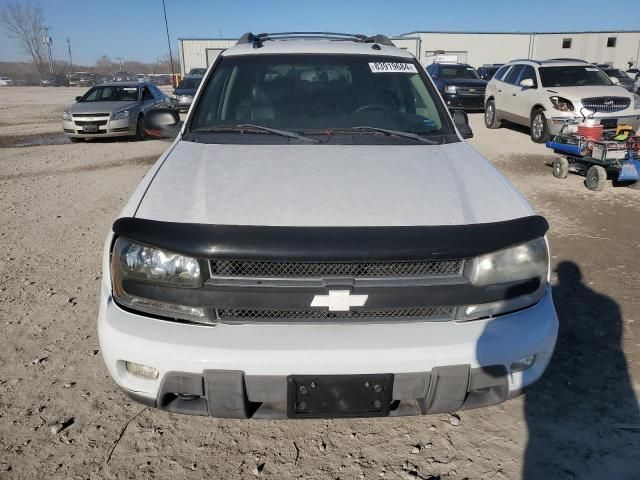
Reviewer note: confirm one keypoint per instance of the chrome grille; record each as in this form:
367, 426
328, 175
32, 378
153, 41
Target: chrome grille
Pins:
606, 104
471, 90
90, 114
259, 269
431, 313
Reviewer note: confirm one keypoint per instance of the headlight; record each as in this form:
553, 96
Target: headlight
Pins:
450, 89
66, 116
157, 266
526, 262
121, 115
137, 270
636, 102
562, 104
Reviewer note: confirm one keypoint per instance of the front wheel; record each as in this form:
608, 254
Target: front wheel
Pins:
539, 127
560, 167
596, 178
140, 135
491, 119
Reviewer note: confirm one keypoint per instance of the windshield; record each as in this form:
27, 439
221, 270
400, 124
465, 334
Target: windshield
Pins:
319, 93
573, 76
189, 84
457, 71
111, 93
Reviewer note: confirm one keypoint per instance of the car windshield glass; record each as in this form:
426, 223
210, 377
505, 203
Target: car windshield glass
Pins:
573, 76
457, 71
189, 83
111, 93
318, 93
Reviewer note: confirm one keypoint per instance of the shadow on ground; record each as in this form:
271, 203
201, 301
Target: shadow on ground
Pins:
583, 416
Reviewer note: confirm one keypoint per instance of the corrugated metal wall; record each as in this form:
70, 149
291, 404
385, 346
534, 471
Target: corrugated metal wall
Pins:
194, 51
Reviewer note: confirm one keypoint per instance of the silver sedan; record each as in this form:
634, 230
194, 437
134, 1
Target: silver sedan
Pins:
112, 110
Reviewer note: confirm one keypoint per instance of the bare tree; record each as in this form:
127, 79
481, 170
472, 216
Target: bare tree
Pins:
25, 24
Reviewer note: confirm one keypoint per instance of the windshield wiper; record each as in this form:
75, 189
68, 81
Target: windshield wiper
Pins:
398, 133
247, 126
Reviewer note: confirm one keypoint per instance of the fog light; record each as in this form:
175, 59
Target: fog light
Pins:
523, 364
141, 371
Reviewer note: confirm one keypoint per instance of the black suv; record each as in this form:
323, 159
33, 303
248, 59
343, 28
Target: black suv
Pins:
459, 85
486, 72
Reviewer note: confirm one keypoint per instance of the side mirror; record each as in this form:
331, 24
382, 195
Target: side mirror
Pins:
162, 123
615, 81
527, 83
461, 121
78, 97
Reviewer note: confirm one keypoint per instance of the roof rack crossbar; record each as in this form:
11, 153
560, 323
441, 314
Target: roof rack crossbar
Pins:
258, 39
565, 60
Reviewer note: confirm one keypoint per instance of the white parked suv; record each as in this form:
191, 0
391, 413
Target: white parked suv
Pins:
544, 95
320, 241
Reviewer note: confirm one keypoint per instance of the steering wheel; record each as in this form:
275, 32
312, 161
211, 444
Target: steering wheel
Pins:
371, 106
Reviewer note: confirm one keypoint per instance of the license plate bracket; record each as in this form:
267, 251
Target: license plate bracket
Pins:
339, 396
90, 127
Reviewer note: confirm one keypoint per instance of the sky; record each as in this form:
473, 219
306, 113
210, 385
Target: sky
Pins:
134, 29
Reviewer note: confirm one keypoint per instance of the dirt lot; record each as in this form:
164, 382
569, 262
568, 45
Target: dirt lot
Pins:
59, 199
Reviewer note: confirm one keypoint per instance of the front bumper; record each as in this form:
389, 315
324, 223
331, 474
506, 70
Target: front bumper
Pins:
109, 128
467, 102
555, 122
241, 370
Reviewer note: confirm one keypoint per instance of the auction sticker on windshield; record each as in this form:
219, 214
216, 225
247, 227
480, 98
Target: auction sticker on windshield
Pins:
392, 67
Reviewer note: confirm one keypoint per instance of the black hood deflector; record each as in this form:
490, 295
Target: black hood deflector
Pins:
269, 243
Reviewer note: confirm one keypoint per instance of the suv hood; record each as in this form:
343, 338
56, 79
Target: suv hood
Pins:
578, 93
329, 185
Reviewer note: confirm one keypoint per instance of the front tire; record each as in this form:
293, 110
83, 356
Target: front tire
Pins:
539, 127
491, 119
560, 167
596, 178
140, 135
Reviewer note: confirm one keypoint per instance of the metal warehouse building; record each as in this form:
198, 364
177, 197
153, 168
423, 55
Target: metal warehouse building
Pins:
621, 49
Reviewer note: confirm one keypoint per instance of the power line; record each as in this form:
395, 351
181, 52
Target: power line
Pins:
166, 24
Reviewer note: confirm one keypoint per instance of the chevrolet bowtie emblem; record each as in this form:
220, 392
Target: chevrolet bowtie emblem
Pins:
339, 300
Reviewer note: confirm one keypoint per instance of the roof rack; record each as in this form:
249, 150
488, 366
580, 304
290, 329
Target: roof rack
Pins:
526, 60
566, 60
258, 39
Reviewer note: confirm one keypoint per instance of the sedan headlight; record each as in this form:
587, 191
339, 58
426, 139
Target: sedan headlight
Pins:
66, 116
562, 104
121, 115
450, 89
518, 265
138, 271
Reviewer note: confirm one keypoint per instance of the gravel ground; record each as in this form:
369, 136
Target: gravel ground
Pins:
62, 417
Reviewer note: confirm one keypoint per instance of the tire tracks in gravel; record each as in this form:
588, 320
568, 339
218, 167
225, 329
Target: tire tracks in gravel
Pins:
136, 161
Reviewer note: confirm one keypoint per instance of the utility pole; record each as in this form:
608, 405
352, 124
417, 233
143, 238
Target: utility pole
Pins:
166, 25
120, 60
48, 41
69, 47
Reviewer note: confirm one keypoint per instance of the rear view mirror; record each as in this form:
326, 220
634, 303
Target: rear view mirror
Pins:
527, 83
615, 81
162, 123
461, 121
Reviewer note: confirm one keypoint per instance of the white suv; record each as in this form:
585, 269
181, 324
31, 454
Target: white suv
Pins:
320, 241
545, 95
